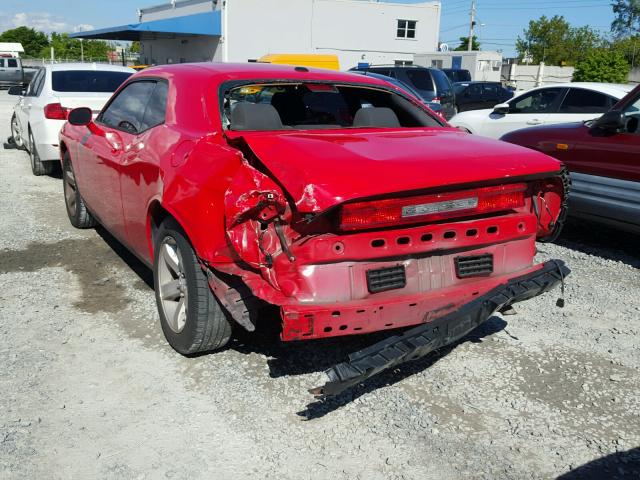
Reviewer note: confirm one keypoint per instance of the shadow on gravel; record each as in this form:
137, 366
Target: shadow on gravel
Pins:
617, 466
301, 358
601, 241
318, 355
140, 269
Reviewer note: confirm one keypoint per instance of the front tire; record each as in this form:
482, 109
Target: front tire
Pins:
17, 139
77, 211
191, 317
38, 167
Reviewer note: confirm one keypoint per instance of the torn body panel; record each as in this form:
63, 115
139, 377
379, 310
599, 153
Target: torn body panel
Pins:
321, 281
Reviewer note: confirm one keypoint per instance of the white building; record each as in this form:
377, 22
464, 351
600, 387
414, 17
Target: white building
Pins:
484, 66
357, 31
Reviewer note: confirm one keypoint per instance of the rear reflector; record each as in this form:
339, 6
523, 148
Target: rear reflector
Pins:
431, 208
55, 111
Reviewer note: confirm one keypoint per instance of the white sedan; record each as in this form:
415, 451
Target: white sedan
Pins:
560, 103
51, 94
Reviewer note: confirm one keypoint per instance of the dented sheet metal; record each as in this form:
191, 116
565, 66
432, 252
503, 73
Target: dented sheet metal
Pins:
422, 340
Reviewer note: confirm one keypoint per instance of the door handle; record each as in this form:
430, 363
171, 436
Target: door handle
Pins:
534, 121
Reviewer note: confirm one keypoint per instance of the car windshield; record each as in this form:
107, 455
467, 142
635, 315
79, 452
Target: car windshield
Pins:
313, 106
87, 80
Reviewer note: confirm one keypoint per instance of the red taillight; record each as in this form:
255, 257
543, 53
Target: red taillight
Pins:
435, 100
55, 111
430, 208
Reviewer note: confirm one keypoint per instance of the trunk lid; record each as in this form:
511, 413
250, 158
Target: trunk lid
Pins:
93, 100
325, 168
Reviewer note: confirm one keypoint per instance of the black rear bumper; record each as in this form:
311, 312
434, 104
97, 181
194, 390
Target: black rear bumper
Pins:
421, 340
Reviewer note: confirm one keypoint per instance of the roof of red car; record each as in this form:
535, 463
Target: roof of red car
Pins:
241, 71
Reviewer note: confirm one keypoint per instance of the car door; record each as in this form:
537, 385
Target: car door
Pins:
103, 152
529, 109
490, 95
23, 109
13, 71
580, 104
474, 100
140, 168
605, 170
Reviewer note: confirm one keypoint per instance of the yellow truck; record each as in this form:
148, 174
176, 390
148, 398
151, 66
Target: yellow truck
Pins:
329, 62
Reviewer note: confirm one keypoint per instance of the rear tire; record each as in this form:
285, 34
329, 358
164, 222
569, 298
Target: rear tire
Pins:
38, 167
191, 318
77, 211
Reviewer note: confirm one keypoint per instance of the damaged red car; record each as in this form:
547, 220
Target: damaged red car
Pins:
337, 198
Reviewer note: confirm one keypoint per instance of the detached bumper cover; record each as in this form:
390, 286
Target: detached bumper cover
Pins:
426, 338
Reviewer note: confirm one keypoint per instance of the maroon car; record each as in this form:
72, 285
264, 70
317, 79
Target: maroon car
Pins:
603, 156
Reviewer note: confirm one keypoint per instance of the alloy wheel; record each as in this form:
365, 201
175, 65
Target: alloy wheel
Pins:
70, 191
173, 285
14, 132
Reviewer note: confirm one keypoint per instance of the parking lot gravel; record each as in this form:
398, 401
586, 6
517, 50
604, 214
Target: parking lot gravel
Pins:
90, 389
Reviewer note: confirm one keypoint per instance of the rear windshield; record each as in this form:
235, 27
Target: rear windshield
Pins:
420, 79
87, 80
441, 81
308, 106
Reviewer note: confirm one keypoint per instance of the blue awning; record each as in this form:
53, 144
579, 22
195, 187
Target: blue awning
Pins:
208, 23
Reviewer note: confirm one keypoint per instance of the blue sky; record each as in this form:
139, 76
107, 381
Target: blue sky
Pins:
503, 20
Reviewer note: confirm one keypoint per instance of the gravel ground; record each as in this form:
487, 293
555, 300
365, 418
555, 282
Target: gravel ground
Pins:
90, 389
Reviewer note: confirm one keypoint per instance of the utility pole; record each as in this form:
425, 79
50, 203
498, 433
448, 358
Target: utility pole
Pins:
472, 14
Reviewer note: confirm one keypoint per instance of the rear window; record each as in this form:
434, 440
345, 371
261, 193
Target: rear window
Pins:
441, 81
420, 79
12, 63
306, 106
87, 80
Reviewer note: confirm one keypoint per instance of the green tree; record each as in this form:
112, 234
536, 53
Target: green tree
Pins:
464, 44
630, 48
67, 47
627, 17
32, 40
555, 42
135, 47
602, 65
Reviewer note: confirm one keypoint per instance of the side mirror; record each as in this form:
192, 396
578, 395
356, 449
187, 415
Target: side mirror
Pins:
80, 116
612, 122
16, 90
501, 108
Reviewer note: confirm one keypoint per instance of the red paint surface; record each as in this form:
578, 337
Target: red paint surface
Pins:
232, 203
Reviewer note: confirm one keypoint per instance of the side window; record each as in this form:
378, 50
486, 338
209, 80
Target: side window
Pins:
12, 63
1, 62
490, 90
540, 101
475, 90
381, 71
156, 107
35, 85
585, 101
126, 111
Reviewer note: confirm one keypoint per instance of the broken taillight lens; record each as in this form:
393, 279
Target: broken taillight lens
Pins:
430, 208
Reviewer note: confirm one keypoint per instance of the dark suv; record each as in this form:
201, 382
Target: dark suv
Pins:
479, 95
432, 84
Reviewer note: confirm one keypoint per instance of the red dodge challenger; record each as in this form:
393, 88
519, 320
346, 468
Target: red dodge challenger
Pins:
338, 198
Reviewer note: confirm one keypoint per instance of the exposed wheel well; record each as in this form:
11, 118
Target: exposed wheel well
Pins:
157, 215
63, 151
